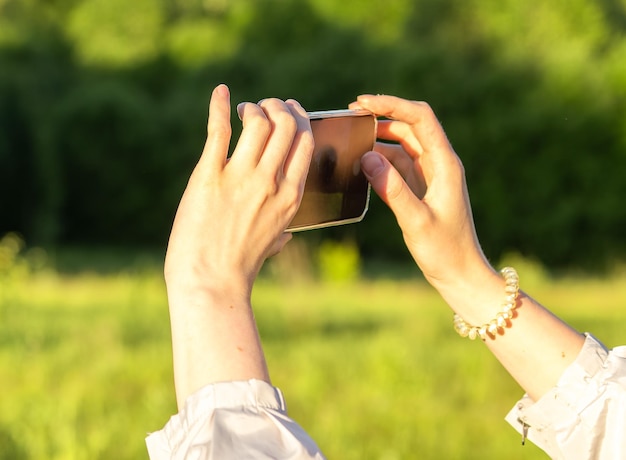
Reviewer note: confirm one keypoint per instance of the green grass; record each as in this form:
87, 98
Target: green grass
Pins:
371, 368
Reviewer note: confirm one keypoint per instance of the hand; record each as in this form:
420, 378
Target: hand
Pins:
234, 212
422, 180
232, 216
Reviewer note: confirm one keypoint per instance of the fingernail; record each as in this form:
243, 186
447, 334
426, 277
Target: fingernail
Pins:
222, 89
372, 164
240, 109
294, 102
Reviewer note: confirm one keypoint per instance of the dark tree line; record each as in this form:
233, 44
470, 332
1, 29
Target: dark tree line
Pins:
102, 114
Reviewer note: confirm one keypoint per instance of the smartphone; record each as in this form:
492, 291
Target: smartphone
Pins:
336, 191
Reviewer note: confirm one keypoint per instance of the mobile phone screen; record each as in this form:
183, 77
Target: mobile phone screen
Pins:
336, 191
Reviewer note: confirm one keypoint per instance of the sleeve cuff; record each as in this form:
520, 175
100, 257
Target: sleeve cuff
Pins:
554, 415
233, 420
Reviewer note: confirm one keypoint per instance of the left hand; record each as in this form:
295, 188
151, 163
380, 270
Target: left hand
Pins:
422, 180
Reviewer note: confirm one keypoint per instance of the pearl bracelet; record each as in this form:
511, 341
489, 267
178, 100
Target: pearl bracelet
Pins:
503, 317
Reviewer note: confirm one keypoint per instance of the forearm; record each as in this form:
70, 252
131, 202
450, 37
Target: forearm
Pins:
224, 230
214, 338
537, 346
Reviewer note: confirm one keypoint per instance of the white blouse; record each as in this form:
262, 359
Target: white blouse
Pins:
582, 417
233, 420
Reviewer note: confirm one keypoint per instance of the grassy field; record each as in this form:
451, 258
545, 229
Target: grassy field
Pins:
371, 368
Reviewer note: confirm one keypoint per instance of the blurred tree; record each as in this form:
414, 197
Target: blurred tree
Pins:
116, 32
108, 156
29, 176
103, 108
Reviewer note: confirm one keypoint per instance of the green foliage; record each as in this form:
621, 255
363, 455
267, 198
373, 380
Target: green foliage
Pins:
17, 264
11, 450
11, 261
338, 262
116, 32
96, 173
103, 105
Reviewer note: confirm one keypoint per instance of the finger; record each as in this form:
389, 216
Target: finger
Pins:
410, 170
254, 134
398, 131
299, 158
418, 115
391, 130
355, 106
390, 187
426, 137
218, 130
284, 128
397, 156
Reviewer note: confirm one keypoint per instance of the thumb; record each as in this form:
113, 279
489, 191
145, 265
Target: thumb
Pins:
390, 186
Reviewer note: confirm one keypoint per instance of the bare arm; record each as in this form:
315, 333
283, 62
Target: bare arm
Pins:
422, 180
232, 216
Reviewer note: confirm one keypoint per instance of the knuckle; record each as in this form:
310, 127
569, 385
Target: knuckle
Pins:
292, 197
272, 107
220, 131
285, 120
270, 102
425, 110
279, 114
306, 140
294, 192
268, 185
394, 190
455, 166
423, 105
261, 124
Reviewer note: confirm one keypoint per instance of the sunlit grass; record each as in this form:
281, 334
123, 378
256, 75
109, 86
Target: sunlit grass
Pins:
371, 368
84, 365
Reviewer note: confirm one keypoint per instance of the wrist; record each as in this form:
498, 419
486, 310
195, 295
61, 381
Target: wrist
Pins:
206, 292
502, 319
214, 334
476, 295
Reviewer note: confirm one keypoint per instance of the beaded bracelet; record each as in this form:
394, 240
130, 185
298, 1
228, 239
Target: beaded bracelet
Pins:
503, 317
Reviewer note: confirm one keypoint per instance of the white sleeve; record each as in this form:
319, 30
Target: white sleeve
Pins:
584, 415
233, 420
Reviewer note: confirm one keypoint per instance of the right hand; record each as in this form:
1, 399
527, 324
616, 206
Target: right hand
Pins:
422, 180
234, 212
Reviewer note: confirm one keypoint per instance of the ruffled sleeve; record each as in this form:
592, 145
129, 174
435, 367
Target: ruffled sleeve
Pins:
233, 420
584, 415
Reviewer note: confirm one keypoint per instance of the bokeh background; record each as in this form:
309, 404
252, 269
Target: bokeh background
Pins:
103, 108
102, 116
